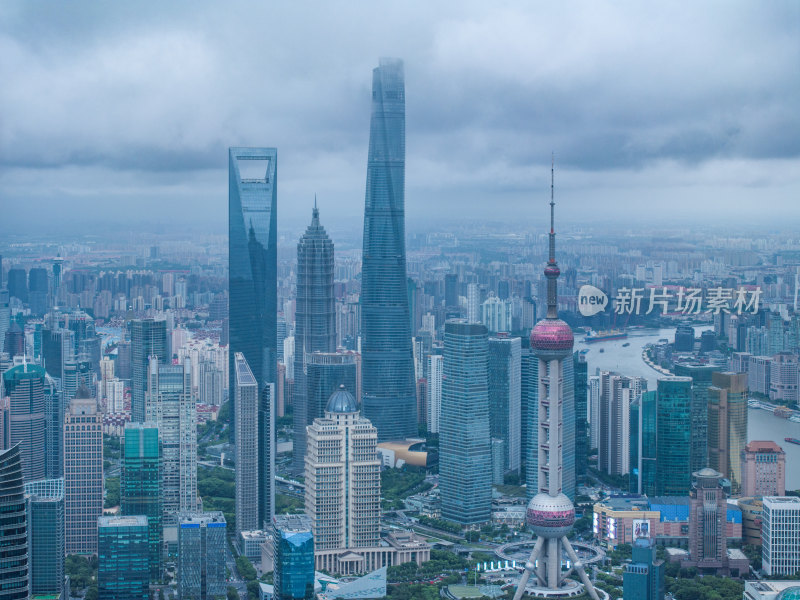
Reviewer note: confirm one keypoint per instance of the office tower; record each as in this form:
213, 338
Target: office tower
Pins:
550, 512
497, 459
530, 409
293, 555
643, 446
708, 539
46, 542
14, 343
673, 436
14, 575
505, 402
643, 577
53, 429
701, 381
123, 572
252, 261
325, 372
140, 485
727, 425
783, 378
201, 556
148, 339
763, 469
315, 322
25, 387
581, 376
451, 290
684, 338
780, 535
170, 406
5, 315
246, 399
38, 290
594, 411
17, 283
266, 455
342, 477
83, 473
465, 478
122, 364
389, 395
435, 392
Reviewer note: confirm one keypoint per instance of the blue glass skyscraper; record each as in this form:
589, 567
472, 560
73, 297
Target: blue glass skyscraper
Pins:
389, 391
465, 475
252, 260
253, 288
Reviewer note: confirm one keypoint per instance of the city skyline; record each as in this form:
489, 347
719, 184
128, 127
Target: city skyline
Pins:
683, 142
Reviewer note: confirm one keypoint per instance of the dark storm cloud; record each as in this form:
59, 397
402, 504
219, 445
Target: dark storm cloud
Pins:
625, 93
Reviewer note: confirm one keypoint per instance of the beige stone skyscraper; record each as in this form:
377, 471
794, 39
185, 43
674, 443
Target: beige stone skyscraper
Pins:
83, 473
342, 477
727, 425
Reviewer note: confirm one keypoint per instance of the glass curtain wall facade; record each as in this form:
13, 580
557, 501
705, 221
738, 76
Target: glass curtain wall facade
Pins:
701, 381
293, 553
253, 293
315, 323
465, 474
324, 374
201, 556
674, 436
581, 370
389, 391
252, 260
14, 573
140, 486
643, 447
123, 570
24, 385
47, 547
504, 398
727, 425
148, 338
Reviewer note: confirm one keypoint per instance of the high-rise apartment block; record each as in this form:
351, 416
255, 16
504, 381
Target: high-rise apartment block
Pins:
389, 392
465, 478
83, 473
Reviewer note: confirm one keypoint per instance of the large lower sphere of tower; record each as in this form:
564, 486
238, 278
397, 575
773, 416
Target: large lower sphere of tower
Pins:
552, 339
550, 516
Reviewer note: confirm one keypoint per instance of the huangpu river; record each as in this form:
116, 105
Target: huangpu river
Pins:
627, 360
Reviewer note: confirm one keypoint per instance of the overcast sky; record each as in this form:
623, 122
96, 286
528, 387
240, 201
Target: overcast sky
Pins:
123, 111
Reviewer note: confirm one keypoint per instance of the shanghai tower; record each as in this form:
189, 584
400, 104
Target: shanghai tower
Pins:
389, 394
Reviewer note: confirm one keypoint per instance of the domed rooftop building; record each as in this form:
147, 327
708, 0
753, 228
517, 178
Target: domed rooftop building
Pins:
341, 401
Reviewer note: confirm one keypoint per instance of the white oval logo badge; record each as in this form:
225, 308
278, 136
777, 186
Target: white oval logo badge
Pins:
591, 300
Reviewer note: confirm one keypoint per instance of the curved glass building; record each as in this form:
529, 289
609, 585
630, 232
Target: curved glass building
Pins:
13, 527
389, 392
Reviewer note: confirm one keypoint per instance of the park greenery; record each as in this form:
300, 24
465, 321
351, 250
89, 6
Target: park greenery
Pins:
441, 563
112, 492
82, 573
441, 524
217, 489
397, 484
705, 588
250, 576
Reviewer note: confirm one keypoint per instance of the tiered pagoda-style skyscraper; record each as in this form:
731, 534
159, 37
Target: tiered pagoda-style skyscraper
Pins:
551, 513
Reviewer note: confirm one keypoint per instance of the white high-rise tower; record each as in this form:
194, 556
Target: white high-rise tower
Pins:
550, 513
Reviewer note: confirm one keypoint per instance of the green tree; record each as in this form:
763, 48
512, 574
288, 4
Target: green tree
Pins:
112, 492
232, 594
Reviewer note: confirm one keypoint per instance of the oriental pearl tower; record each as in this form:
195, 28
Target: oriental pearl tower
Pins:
550, 513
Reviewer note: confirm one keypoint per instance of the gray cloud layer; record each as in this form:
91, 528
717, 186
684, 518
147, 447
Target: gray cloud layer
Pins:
125, 110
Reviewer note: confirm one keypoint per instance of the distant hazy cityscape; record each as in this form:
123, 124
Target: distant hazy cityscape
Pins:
544, 403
